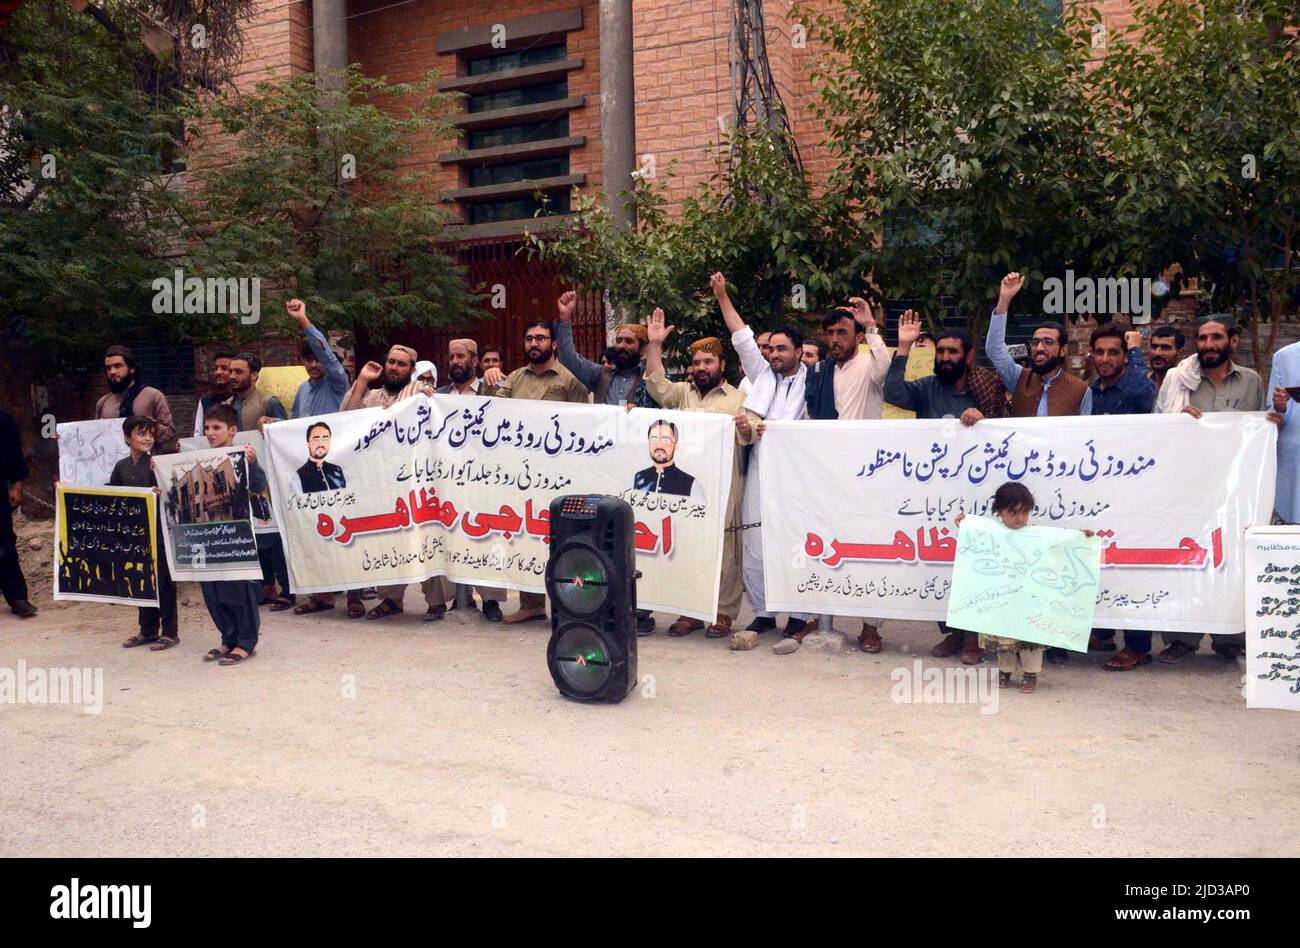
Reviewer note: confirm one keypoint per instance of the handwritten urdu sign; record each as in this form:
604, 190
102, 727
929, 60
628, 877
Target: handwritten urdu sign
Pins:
88, 451
1273, 618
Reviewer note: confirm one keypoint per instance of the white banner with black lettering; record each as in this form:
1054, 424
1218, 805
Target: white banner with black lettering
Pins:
461, 486
858, 515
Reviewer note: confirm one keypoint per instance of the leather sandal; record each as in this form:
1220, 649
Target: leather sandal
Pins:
720, 629
685, 626
869, 640
1127, 660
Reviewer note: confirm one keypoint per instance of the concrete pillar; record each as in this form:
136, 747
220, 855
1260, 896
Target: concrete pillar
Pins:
329, 44
617, 106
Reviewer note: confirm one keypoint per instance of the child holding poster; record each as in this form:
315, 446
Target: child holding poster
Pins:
136, 470
232, 603
1013, 503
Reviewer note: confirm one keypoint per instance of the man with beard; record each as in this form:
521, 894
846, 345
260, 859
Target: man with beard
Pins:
128, 395
542, 379
622, 383
395, 376
707, 390
327, 380
850, 385
777, 377
1044, 387
254, 407
1166, 349
958, 389
397, 382
1210, 382
318, 474
462, 369
220, 387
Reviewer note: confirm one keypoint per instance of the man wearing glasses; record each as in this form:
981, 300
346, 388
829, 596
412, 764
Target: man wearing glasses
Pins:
1042, 388
545, 379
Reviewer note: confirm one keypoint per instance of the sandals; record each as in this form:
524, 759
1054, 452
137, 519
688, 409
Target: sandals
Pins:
212, 654
164, 642
1176, 653
1004, 679
720, 629
685, 626
869, 640
136, 641
385, 609
312, 606
356, 609
230, 658
281, 603
1127, 660
1030, 683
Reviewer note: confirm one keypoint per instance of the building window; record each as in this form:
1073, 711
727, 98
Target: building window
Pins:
517, 60
519, 171
488, 212
519, 134
526, 95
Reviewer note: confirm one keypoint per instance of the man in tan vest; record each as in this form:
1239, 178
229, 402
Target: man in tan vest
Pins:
1043, 387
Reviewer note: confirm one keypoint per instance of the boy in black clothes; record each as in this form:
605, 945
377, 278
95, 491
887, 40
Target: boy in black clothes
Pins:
232, 603
137, 471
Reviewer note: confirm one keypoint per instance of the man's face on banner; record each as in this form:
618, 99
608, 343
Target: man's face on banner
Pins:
663, 444
318, 443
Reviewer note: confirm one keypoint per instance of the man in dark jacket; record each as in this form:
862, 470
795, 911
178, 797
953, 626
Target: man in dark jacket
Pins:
13, 471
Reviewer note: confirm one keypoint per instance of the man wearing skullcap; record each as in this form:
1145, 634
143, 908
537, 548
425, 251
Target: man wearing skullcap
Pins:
398, 382
707, 390
397, 376
128, 395
462, 369
621, 384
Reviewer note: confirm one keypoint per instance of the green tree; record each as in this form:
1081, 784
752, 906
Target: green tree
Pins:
785, 250
965, 137
83, 186
362, 242
1204, 122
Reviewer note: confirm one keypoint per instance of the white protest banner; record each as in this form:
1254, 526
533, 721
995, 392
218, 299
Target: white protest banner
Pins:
1273, 618
205, 514
858, 515
461, 486
105, 544
88, 451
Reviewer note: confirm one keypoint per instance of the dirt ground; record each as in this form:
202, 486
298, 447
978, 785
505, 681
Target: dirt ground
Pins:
401, 737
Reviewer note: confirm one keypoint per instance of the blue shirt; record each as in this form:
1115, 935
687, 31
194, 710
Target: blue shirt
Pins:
321, 396
995, 344
1286, 372
1132, 394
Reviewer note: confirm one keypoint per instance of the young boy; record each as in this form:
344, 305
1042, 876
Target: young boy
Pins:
232, 603
1013, 503
137, 471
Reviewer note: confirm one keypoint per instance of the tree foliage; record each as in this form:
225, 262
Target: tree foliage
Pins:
319, 202
1204, 124
785, 250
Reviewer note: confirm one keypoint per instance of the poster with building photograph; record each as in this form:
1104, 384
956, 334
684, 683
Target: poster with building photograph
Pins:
207, 514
